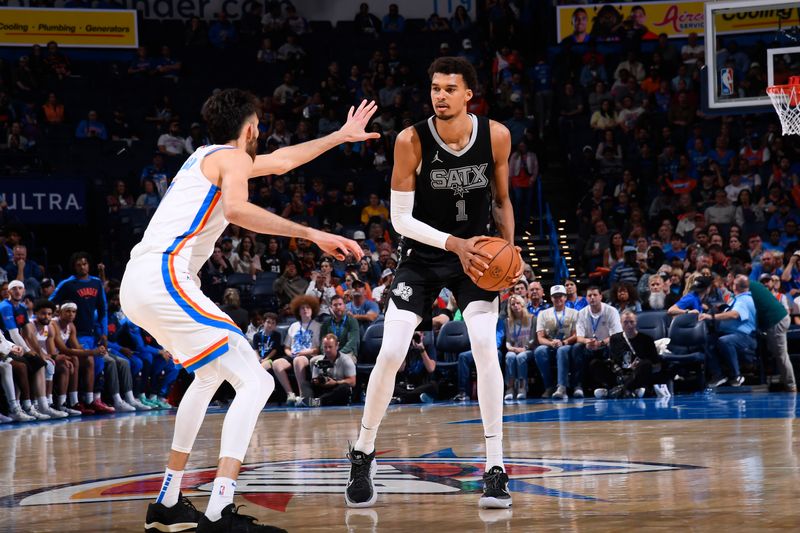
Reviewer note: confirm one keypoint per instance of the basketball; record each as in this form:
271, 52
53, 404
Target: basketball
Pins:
504, 265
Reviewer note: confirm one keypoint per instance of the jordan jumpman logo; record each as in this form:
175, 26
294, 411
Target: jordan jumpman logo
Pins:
436, 158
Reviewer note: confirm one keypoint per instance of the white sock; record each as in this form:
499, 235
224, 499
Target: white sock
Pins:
61, 400
41, 402
170, 488
494, 452
26, 404
129, 397
88, 397
73, 398
49, 399
117, 399
153, 397
221, 496
366, 440
13, 405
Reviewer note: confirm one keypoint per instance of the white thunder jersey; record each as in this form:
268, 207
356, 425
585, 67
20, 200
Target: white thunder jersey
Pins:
160, 290
189, 219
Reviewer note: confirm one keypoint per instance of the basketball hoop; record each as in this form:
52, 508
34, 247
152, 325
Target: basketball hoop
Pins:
786, 99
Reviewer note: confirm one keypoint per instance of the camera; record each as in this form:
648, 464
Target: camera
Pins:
324, 366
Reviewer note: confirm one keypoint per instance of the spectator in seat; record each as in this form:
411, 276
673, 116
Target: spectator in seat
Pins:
172, 143
91, 128
415, 383
692, 301
142, 66
213, 274
633, 362
658, 297
222, 32
394, 22
626, 271
555, 332
523, 169
246, 260
333, 376
375, 208
365, 22
231, 305
157, 172
460, 22
53, 110
196, 138
466, 361
595, 326
574, 300
25, 270
364, 310
321, 287
518, 333
722, 212
300, 345
289, 285
267, 341
149, 199
734, 336
13, 369
624, 297
381, 291
769, 264
344, 326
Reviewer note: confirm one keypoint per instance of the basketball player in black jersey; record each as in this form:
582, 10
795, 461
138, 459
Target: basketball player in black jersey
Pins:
450, 173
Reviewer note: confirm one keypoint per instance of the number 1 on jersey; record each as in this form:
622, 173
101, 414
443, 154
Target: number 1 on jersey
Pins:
461, 216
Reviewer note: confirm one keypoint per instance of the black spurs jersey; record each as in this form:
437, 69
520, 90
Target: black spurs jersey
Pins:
453, 189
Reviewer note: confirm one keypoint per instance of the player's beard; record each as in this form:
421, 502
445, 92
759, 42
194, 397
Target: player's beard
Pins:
444, 116
656, 300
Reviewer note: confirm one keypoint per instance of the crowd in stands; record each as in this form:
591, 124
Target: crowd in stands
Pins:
684, 214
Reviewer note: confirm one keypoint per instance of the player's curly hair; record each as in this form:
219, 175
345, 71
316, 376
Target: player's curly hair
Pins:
301, 300
455, 65
226, 112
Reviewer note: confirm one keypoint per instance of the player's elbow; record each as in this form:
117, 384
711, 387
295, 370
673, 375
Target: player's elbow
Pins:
232, 212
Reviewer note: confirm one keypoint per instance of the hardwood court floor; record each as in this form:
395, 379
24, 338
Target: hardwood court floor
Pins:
699, 463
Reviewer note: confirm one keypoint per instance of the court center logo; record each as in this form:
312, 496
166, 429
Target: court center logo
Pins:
273, 484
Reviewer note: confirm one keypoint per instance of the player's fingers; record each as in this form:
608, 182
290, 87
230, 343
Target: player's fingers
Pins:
354, 248
374, 135
350, 113
370, 110
475, 273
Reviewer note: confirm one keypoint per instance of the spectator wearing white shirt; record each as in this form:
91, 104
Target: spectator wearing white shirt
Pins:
596, 323
692, 51
284, 92
632, 65
172, 143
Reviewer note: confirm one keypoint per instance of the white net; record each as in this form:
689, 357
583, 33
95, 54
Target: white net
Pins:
786, 99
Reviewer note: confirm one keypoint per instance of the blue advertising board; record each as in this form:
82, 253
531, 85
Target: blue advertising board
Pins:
47, 200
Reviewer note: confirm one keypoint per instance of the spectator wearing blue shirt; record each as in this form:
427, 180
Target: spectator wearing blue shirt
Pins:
141, 65
360, 308
156, 172
394, 22
25, 270
222, 33
769, 265
692, 301
574, 301
91, 128
735, 329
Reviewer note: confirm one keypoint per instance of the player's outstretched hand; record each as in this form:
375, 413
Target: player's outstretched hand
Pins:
473, 260
336, 246
357, 120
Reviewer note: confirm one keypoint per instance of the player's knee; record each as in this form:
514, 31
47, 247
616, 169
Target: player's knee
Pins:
265, 386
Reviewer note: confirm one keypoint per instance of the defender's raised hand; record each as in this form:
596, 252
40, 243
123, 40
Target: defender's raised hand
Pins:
357, 120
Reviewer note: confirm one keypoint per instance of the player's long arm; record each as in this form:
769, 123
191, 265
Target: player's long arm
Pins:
502, 210
290, 157
407, 155
234, 170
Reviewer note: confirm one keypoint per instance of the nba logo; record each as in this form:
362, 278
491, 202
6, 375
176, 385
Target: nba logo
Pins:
726, 81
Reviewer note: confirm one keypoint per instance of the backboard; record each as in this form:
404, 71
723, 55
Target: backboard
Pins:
749, 45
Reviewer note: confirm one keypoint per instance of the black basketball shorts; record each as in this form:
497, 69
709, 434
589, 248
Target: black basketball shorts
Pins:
417, 284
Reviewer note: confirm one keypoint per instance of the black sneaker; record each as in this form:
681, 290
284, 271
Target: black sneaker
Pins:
233, 522
714, 383
182, 516
495, 490
360, 490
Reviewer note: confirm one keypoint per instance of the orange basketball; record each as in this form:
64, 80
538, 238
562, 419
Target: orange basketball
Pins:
503, 266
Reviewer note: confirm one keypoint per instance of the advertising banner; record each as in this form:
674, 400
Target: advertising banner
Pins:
83, 28
45, 200
614, 22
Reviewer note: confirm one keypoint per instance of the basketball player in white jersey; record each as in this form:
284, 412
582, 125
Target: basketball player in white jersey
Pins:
450, 175
160, 292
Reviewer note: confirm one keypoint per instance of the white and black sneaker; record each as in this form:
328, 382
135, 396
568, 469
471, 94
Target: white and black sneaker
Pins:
183, 516
360, 490
495, 490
